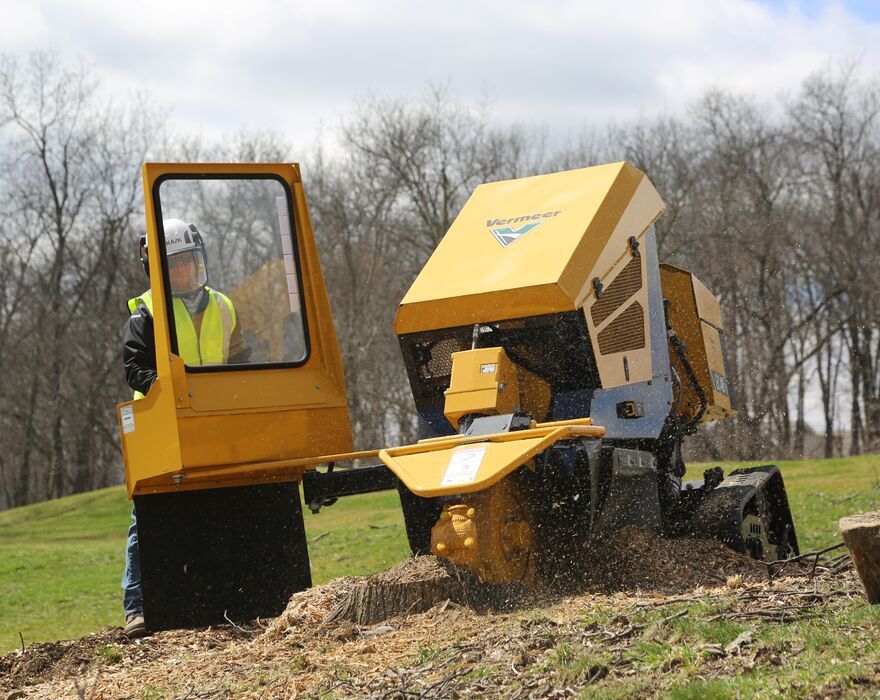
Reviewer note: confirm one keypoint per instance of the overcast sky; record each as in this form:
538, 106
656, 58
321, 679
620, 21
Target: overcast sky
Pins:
294, 66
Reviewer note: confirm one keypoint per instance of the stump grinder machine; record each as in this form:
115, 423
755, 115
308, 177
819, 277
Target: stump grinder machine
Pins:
555, 364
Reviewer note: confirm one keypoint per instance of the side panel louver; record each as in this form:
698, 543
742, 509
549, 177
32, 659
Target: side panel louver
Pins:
626, 332
627, 283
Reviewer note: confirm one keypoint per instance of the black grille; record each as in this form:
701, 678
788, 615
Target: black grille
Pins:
556, 347
436, 356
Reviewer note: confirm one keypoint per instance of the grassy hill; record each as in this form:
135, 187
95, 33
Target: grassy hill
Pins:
61, 561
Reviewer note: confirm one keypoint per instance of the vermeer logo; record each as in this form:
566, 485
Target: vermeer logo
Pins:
506, 234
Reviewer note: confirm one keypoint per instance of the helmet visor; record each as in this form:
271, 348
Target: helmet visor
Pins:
187, 272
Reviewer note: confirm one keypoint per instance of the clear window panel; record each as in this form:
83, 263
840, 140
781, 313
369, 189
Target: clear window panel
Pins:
232, 270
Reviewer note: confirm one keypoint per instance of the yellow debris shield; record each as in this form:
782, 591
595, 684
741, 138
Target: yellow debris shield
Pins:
465, 464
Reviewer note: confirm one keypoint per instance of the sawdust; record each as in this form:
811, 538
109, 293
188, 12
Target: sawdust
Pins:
303, 653
631, 559
637, 559
43, 660
447, 651
47, 661
308, 609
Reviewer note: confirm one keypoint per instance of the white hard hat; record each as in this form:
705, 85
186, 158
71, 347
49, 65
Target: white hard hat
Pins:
180, 237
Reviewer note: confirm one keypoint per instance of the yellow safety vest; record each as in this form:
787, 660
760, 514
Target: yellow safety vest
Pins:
211, 347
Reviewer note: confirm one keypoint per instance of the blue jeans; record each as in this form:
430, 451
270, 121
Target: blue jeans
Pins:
132, 600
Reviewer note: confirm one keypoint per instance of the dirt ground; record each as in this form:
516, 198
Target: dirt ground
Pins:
451, 650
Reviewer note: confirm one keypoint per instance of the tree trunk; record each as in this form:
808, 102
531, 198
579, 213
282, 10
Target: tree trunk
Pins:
869, 393
827, 382
24, 490
862, 536
783, 437
800, 427
413, 586
855, 364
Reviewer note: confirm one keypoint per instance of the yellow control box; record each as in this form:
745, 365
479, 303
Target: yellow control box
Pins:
485, 381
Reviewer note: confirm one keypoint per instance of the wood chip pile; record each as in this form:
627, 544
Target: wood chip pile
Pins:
310, 650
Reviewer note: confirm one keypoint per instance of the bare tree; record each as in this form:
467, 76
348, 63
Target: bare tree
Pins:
380, 209
71, 188
836, 119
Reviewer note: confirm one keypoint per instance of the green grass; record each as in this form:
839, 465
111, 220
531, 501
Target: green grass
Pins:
838, 651
61, 561
356, 536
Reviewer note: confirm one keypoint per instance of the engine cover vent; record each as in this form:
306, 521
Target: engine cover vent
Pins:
626, 332
627, 283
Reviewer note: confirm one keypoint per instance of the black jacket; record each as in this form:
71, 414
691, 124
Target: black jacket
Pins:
139, 350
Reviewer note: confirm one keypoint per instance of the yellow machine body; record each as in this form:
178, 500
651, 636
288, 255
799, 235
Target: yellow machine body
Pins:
486, 381
247, 424
559, 276
695, 316
571, 247
540, 311
536, 245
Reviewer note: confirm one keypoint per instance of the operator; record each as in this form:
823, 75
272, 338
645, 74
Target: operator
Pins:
208, 333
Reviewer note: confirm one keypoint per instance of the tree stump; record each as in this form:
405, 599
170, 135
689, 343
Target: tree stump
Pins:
413, 586
861, 533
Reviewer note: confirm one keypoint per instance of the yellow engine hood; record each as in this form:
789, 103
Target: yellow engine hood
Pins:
528, 246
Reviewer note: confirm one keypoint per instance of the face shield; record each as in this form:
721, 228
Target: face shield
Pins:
185, 253
187, 272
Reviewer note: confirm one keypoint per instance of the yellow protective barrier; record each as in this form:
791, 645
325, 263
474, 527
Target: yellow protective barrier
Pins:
240, 424
461, 464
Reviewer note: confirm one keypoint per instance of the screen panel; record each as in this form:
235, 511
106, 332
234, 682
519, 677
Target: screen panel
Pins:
233, 271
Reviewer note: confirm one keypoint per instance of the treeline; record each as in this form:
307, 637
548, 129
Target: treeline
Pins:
776, 207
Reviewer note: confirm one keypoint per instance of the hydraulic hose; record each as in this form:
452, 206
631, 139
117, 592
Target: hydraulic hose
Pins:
692, 377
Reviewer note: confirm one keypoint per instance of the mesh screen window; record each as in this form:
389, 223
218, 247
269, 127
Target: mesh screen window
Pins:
251, 304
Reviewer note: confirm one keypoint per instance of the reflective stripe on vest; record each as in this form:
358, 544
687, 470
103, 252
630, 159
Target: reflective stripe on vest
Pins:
218, 321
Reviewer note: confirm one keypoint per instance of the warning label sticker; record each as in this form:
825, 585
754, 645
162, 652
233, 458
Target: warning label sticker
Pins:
127, 416
464, 465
